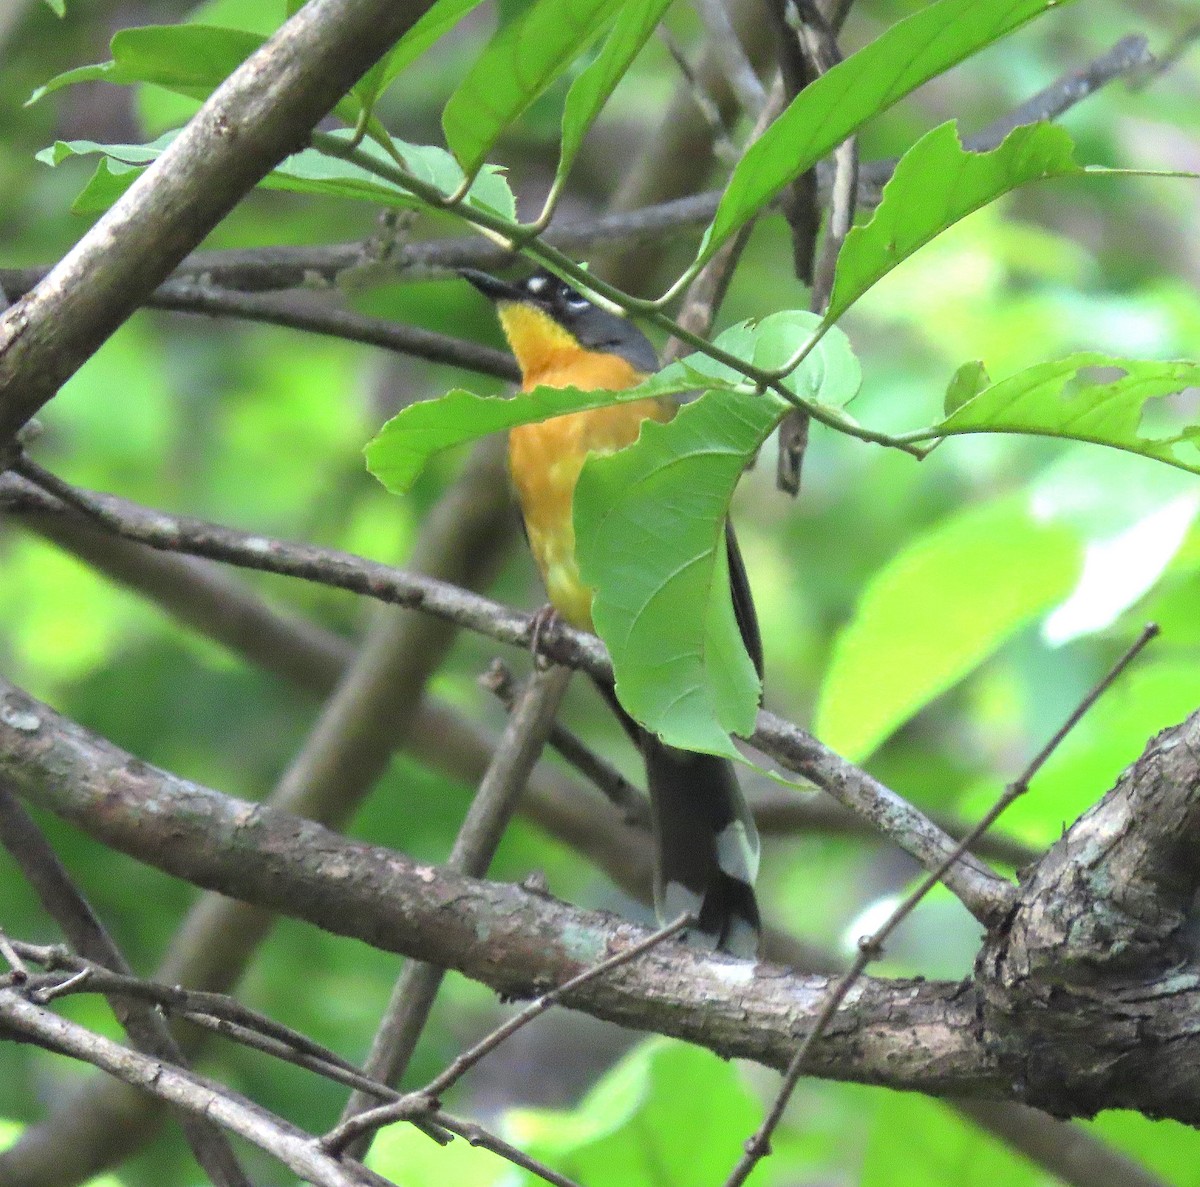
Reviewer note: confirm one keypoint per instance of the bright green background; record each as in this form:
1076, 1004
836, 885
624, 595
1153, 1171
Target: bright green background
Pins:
909, 609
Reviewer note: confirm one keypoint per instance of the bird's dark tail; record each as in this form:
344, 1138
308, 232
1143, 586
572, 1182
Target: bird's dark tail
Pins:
707, 846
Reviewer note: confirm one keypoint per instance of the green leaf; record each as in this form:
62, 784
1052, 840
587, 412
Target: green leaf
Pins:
868, 82
924, 1143
667, 1113
663, 501
191, 60
650, 539
937, 183
307, 172
58, 7
404, 445
934, 613
966, 383
519, 63
434, 24
1038, 401
591, 90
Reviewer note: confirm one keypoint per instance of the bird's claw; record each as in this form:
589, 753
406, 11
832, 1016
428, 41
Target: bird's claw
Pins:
545, 622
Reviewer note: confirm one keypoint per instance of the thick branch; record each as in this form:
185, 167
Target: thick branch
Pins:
984, 893
260, 114
1102, 942
898, 1033
1066, 1047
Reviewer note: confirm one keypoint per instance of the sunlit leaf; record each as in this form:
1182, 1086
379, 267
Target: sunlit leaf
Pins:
937, 610
667, 1113
650, 539
309, 172
404, 445
519, 63
590, 91
937, 183
191, 60
58, 7
868, 82
1058, 399
924, 1143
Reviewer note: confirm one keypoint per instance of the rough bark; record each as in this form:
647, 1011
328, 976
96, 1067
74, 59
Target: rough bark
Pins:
1084, 997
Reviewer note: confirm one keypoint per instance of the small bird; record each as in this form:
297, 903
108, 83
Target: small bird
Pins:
706, 842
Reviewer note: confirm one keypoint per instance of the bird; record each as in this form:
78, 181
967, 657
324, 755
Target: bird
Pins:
705, 840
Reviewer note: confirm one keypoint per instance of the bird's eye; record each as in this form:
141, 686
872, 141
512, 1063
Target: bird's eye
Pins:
572, 300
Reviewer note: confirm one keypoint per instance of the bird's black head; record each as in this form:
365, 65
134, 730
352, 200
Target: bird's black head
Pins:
592, 327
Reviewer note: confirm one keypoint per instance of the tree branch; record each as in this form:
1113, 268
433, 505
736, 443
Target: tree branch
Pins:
476, 844
185, 297
1127, 1041
260, 114
982, 891
147, 1030
203, 1098
368, 715
520, 942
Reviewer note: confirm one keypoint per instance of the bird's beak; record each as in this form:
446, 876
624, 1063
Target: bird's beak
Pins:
492, 287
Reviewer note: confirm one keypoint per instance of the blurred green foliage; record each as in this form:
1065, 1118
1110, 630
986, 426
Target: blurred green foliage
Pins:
882, 565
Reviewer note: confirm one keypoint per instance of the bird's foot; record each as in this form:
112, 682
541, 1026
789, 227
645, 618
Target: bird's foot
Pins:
546, 622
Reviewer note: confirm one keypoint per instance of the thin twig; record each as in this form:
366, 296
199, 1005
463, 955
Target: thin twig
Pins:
870, 948
623, 795
13, 959
1129, 56
61, 987
468, 1059
256, 270
474, 847
476, 1135
1149, 633
69, 908
707, 291
985, 894
175, 999
1161, 63
818, 37
413, 341
727, 49
259, 115
371, 1120
372, 710
220, 1105
723, 146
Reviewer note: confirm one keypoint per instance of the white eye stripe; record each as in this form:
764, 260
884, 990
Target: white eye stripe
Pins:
536, 284
575, 301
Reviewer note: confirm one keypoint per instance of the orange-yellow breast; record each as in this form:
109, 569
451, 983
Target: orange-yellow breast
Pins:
545, 459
